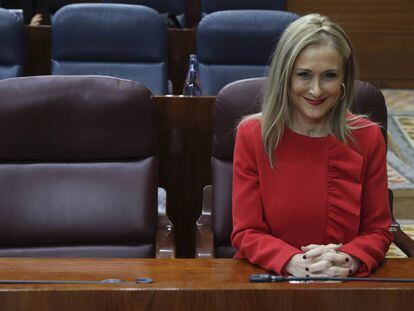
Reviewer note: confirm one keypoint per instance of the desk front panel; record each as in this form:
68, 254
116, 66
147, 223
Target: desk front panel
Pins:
190, 284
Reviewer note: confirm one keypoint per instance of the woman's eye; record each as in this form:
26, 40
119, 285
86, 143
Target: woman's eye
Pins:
330, 75
304, 74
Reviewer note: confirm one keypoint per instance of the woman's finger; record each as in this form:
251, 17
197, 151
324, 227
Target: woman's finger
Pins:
319, 266
337, 259
318, 251
309, 247
315, 246
336, 271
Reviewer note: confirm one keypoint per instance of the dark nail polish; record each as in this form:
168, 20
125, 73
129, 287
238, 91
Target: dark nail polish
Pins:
304, 257
307, 269
346, 259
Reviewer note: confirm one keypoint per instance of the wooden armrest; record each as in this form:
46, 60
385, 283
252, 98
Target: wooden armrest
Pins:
402, 240
164, 240
204, 232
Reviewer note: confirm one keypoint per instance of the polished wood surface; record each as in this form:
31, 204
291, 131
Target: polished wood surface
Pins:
190, 284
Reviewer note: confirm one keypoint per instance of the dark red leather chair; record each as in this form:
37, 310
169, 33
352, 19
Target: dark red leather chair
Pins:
234, 101
79, 169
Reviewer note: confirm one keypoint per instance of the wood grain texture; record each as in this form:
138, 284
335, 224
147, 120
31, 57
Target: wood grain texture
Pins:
362, 16
191, 284
193, 13
185, 149
181, 43
384, 57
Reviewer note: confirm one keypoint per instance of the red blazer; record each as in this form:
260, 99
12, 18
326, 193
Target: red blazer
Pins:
320, 191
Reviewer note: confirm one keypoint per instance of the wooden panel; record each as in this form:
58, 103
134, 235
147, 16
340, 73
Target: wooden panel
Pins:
193, 13
190, 284
185, 146
373, 16
385, 57
181, 43
38, 50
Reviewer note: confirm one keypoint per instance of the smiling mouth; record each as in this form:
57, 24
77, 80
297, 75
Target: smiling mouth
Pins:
315, 102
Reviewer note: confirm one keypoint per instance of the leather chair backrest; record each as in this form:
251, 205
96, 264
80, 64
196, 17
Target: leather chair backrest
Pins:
111, 40
209, 6
172, 11
239, 99
234, 45
174, 7
11, 44
78, 167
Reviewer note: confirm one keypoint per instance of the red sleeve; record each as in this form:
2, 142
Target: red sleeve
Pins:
251, 235
374, 238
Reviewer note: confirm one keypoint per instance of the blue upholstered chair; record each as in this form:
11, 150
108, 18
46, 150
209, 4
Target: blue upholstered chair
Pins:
11, 44
234, 45
210, 6
120, 40
167, 8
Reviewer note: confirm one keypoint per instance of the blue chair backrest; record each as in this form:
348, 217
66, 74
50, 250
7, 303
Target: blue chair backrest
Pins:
11, 44
209, 6
120, 40
165, 7
234, 45
175, 7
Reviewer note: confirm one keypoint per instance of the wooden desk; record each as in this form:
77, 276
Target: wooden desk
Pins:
191, 284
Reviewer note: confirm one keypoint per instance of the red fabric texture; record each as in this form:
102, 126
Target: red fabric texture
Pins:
320, 191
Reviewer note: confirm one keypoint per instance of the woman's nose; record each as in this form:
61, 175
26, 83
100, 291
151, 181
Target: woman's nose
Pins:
315, 88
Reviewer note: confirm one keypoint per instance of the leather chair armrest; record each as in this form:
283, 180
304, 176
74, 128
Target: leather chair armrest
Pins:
204, 232
164, 240
402, 240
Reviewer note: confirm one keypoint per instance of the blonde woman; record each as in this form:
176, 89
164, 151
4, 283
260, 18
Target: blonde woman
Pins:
309, 184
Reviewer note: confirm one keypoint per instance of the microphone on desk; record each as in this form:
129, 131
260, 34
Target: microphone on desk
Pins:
269, 278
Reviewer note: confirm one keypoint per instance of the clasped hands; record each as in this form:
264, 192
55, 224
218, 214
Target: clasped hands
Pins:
322, 261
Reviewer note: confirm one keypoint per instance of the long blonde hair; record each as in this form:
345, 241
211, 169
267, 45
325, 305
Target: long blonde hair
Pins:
312, 29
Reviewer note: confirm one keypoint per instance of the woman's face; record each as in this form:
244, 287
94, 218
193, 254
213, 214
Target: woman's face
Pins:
316, 83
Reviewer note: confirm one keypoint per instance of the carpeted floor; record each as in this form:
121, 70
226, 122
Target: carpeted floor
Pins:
400, 157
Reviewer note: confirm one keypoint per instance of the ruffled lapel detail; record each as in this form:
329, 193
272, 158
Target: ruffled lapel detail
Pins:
344, 191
